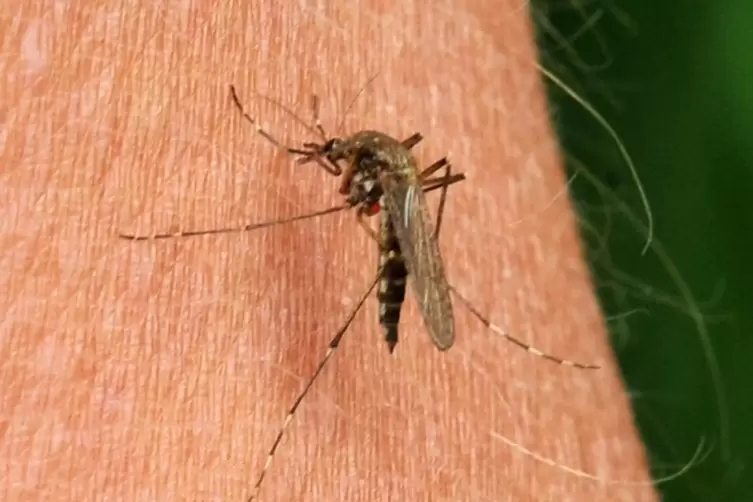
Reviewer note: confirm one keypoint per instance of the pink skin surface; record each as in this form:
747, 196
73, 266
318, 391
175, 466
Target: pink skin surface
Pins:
163, 370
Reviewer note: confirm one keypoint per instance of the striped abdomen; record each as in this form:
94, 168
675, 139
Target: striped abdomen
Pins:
391, 292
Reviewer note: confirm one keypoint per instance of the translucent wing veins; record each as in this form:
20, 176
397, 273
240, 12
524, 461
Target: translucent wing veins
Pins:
409, 212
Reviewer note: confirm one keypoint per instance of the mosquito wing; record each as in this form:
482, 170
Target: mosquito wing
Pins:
407, 208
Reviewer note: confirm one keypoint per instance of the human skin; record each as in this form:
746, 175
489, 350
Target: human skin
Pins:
164, 370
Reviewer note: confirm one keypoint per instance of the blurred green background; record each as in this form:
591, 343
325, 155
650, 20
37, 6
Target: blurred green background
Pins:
675, 80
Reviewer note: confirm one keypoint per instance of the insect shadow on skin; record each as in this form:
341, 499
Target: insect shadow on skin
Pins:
380, 178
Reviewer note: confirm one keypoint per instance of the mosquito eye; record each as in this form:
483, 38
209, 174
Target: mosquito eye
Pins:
329, 145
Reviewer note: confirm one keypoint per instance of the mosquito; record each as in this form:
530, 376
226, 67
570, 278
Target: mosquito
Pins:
380, 178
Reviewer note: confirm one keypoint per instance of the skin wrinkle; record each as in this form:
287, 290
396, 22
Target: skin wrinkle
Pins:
162, 371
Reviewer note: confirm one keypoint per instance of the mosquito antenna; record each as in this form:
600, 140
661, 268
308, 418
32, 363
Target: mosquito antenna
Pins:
258, 128
327, 355
353, 102
293, 115
244, 228
312, 151
532, 350
317, 118
314, 129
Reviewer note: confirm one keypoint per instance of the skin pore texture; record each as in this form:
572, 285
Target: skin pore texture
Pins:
163, 370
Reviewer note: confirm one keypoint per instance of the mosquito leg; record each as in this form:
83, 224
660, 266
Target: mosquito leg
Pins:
289, 417
443, 162
532, 350
360, 213
433, 183
436, 166
412, 140
317, 119
444, 182
442, 200
243, 228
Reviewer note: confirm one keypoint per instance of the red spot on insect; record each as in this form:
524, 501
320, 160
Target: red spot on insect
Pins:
374, 209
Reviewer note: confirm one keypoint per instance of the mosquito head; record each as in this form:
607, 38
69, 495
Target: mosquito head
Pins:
325, 154
336, 149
